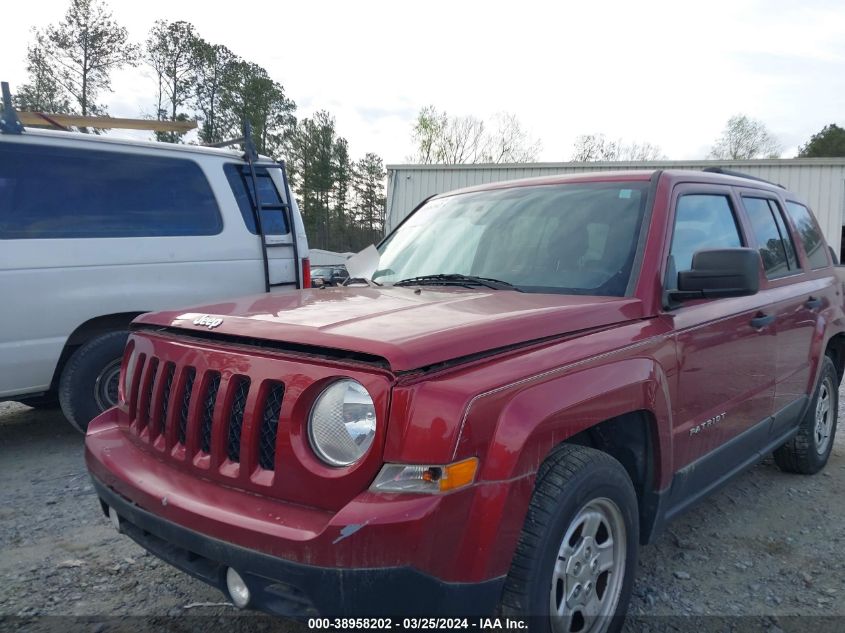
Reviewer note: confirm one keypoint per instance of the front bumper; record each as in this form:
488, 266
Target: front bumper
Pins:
296, 590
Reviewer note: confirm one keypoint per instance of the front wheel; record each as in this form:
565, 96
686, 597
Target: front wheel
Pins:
573, 570
89, 381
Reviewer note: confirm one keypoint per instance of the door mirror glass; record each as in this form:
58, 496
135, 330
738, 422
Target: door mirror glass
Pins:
715, 273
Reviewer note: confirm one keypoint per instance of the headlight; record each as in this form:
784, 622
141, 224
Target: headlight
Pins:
342, 423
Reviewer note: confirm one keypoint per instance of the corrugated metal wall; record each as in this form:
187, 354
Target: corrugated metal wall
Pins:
820, 181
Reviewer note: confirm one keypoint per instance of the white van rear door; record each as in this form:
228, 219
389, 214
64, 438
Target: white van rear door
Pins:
275, 220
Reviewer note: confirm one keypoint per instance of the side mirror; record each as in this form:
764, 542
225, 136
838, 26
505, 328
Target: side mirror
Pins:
728, 272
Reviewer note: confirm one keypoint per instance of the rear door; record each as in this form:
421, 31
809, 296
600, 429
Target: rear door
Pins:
278, 236
726, 349
813, 295
796, 301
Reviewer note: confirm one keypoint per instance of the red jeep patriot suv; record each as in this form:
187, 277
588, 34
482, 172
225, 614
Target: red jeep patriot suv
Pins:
535, 377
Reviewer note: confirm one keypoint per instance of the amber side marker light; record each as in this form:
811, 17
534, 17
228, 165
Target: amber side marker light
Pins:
426, 479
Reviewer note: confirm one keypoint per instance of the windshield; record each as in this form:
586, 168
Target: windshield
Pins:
577, 238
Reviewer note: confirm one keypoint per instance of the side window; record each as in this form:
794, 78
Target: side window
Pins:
51, 192
811, 236
273, 219
791, 256
702, 221
774, 242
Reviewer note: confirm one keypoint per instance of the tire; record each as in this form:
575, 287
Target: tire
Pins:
579, 491
43, 403
88, 385
808, 452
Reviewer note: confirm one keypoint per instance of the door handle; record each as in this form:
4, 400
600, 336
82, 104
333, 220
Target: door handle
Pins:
762, 320
813, 303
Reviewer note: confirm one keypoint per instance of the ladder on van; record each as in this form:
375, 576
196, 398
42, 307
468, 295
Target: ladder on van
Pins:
251, 157
258, 206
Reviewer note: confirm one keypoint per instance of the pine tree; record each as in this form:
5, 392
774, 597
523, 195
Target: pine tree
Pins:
42, 93
312, 166
248, 92
212, 65
83, 49
342, 182
369, 189
170, 52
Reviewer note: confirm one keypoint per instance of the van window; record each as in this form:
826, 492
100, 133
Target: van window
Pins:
49, 192
810, 234
774, 243
702, 221
273, 220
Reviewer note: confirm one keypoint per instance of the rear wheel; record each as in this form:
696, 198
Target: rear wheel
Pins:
89, 381
808, 452
575, 561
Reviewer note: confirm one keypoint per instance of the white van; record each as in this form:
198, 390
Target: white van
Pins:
95, 231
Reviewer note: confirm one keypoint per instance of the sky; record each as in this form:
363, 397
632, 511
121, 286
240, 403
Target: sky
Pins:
670, 73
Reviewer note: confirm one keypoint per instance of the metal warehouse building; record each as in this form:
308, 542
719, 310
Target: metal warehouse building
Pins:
820, 181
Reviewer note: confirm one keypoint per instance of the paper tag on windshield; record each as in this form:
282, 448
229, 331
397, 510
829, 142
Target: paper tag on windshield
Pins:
363, 264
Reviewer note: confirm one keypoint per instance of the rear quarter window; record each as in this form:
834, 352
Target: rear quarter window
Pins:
809, 234
51, 192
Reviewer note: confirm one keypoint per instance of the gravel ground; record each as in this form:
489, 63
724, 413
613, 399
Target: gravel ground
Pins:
770, 545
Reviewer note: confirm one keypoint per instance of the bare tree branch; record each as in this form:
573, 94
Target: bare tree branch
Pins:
445, 139
744, 138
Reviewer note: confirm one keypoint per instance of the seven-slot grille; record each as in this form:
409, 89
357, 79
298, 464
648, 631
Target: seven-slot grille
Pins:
161, 396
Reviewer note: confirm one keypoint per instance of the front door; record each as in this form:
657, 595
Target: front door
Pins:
726, 350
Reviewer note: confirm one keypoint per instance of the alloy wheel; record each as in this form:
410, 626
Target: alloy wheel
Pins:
824, 417
589, 570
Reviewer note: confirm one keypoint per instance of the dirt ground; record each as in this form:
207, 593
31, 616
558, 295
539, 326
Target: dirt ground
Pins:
769, 545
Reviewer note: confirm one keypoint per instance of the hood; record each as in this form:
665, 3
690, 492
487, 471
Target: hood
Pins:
407, 329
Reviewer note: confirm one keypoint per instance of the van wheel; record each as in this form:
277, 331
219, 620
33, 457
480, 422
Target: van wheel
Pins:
808, 452
576, 557
89, 381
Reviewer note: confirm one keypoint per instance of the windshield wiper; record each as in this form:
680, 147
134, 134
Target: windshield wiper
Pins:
456, 279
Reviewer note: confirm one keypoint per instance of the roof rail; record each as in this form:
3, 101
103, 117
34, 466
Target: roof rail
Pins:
9, 123
739, 174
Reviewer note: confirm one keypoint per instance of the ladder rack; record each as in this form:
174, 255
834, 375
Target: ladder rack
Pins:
13, 121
